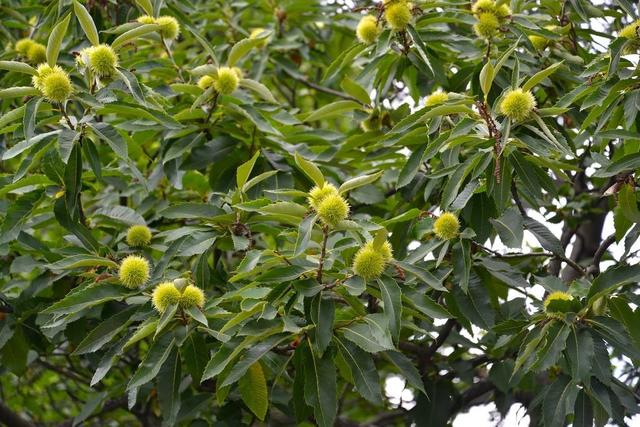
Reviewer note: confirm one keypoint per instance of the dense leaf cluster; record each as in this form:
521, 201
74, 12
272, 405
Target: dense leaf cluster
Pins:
233, 212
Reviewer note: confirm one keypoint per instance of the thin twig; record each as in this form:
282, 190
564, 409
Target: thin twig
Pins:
325, 232
320, 88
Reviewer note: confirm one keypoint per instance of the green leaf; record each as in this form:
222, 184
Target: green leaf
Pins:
510, 228
322, 315
195, 354
628, 203
583, 411
421, 48
540, 76
354, 89
407, 369
310, 169
372, 335
29, 119
133, 34
304, 234
253, 356
86, 22
55, 40
363, 371
18, 67
17, 214
73, 180
244, 46
81, 261
392, 304
630, 162
253, 390
320, 387
242, 316
580, 354
331, 110
153, 361
554, 344
244, 170
487, 75
358, 181
261, 90
165, 319
422, 275
559, 402
613, 279
107, 360
169, 388
547, 239
18, 92
88, 296
146, 6
410, 168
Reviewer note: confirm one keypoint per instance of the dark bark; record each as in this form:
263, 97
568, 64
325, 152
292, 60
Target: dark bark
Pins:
12, 419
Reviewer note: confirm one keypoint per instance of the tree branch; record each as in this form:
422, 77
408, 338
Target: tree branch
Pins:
12, 419
319, 88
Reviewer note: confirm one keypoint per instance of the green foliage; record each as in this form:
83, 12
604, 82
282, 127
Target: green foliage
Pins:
241, 212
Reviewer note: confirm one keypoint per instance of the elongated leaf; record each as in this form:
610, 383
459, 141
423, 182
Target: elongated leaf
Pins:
392, 301
372, 335
253, 390
244, 46
545, 237
559, 402
359, 181
363, 370
133, 34
320, 388
86, 22
81, 261
334, 109
612, 279
105, 331
18, 67
540, 76
244, 170
88, 296
628, 203
18, 92
55, 40
153, 361
261, 90
169, 388
322, 315
310, 169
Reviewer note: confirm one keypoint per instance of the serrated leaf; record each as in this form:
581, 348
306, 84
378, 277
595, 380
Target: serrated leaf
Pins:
253, 390
372, 335
152, 362
169, 388
363, 370
320, 387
